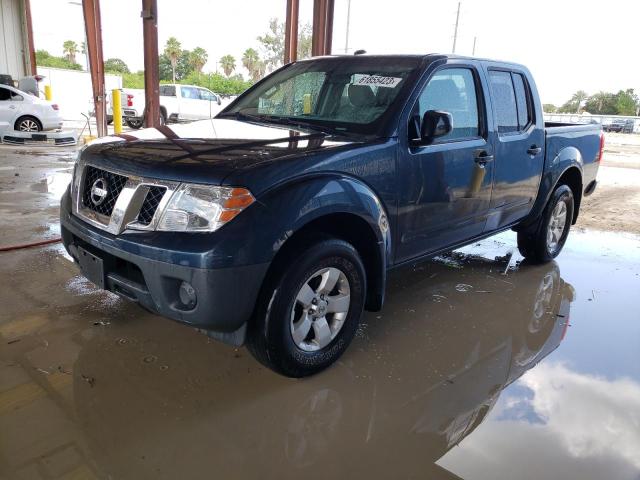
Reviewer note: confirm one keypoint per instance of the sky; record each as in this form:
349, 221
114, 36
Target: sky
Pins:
567, 44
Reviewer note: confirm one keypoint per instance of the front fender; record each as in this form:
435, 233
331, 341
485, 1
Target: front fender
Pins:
301, 202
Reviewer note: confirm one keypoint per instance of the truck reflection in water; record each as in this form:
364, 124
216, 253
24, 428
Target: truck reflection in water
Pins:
419, 378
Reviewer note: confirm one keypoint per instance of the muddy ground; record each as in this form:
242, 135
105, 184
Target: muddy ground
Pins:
615, 205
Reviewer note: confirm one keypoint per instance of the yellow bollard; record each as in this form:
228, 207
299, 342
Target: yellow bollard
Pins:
47, 92
116, 100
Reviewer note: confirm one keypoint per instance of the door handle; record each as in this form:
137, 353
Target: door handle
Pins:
12, 107
534, 150
482, 158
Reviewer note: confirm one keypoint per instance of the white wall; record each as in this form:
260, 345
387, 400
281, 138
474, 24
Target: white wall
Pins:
13, 49
72, 91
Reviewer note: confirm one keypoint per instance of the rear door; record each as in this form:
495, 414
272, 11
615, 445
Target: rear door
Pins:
10, 106
519, 147
445, 187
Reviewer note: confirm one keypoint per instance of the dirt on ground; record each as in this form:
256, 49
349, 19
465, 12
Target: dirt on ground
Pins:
615, 205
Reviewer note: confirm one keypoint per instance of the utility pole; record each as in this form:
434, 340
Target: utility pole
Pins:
455, 32
346, 39
473, 52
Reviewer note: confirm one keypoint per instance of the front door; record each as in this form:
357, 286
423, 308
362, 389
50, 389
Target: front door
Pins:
519, 148
445, 187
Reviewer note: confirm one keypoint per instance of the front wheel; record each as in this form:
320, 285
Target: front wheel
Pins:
544, 241
309, 310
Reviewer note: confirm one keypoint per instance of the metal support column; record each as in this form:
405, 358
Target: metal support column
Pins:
322, 35
29, 24
91, 9
291, 31
151, 73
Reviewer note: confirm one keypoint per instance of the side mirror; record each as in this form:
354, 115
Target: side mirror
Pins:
435, 124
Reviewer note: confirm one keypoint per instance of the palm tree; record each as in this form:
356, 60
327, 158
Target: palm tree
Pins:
228, 64
251, 61
197, 58
173, 49
579, 97
70, 48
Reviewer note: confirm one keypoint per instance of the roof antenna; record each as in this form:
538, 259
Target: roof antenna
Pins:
359, 52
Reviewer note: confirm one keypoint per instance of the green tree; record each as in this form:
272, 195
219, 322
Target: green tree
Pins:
173, 50
304, 42
228, 64
272, 44
549, 108
251, 61
45, 59
575, 102
601, 103
627, 102
182, 69
115, 65
69, 49
197, 59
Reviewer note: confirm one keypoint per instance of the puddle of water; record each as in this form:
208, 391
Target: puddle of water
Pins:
518, 371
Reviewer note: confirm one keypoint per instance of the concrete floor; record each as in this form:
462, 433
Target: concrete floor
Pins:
478, 367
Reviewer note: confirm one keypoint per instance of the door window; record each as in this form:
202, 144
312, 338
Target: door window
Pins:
453, 90
5, 94
190, 92
207, 95
504, 100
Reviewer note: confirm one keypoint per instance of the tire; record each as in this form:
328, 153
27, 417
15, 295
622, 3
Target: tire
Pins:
28, 124
297, 297
134, 123
544, 241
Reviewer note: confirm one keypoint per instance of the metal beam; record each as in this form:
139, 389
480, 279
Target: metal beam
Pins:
291, 31
32, 50
92, 23
151, 73
321, 38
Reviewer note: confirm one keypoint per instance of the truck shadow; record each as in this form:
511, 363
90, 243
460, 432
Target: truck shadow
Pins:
419, 377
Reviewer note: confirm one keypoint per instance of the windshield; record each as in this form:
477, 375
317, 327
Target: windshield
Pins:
349, 94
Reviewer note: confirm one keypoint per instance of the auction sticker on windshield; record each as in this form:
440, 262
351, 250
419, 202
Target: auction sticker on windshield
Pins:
378, 81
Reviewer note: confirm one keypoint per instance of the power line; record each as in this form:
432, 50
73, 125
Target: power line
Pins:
455, 32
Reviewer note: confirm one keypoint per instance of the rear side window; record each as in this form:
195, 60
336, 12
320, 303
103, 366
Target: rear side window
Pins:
453, 90
504, 100
522, 101
167, 90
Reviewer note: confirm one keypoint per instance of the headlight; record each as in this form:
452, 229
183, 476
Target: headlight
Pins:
203, 208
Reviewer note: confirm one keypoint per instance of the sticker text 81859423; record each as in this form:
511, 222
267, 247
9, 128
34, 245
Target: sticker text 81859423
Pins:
378, 81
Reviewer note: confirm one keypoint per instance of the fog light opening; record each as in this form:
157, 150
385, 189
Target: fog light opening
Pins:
188, 297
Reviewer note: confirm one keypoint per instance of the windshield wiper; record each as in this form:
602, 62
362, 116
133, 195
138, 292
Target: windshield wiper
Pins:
280, 120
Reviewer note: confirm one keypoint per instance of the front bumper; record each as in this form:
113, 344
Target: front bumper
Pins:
225, 296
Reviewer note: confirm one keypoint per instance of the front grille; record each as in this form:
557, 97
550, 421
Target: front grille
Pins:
111, 182
150, 204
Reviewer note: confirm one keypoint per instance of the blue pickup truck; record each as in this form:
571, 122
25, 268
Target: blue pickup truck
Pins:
275, 224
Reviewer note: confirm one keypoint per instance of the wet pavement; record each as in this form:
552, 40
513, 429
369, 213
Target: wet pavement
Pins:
468, 372
479, 367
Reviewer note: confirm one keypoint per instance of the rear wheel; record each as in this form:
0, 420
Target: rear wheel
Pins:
309, 310
543, 241
134, 123
28, 124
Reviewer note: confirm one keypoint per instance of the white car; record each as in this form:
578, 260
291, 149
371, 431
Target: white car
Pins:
23, 112
177, 103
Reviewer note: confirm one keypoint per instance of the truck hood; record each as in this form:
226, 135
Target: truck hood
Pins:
206, 151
